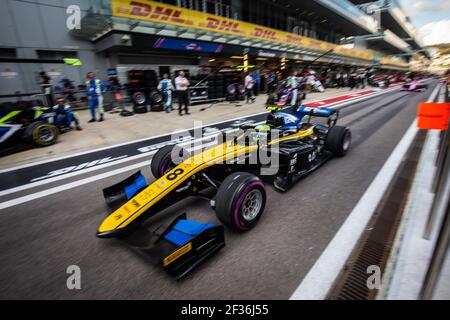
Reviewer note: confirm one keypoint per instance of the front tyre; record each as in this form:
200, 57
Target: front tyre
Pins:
162, 161
338, 140
240, 201
41, 134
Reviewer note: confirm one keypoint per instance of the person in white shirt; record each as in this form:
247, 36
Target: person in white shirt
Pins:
249, 82
293, 82
182, 88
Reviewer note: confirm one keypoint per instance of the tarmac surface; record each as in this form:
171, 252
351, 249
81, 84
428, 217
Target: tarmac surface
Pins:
40, 238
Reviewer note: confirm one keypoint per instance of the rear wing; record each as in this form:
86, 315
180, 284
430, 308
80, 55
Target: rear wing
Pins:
317, 112
322, 112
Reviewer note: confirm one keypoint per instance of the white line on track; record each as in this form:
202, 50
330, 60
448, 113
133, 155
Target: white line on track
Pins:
71, 185
122, 144
44, 193
175, 132
322, 275
74, 184
94, 168
320, 278
72, 174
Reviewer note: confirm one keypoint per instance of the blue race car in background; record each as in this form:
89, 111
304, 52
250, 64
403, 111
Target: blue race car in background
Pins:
23, 126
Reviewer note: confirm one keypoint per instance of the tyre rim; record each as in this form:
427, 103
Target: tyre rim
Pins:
46, 135
157, 98
347, 141
139, 98
252, 205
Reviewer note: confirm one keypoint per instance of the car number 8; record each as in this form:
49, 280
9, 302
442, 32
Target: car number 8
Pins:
175, 174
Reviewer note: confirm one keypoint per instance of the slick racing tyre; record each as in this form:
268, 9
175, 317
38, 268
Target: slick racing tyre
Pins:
157, 101
41, 134
162, 161
231, 89
338, 140
140, 109
139, 98
156, 98
241, 89
240, 201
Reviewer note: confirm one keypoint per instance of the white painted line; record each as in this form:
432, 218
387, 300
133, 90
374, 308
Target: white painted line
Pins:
94, 168
72, 174
336, 105
363, 98
74, 184
120, 144
321, 276
157, 136
434, 94
44, 193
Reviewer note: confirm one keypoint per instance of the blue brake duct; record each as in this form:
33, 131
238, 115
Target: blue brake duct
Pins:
185, 230
138, 184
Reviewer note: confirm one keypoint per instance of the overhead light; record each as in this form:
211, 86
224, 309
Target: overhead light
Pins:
262, 59
211, 60
237, 57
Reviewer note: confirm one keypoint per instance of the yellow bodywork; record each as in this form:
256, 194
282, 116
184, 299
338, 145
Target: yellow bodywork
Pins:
144, 200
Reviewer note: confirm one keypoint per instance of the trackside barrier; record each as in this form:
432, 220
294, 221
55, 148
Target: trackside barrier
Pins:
441, 202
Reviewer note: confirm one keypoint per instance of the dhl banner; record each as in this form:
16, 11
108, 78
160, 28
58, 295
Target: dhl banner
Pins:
168, 14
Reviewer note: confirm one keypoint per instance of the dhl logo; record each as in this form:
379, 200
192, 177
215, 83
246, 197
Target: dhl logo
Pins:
222, 25
146, 10
265, 34
294, 40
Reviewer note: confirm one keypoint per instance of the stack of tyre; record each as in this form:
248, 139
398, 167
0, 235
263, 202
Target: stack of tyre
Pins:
143, 91
234, 89
198, 89
216, 86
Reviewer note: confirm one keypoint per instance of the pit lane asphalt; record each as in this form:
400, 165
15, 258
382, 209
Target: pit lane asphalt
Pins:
41, 238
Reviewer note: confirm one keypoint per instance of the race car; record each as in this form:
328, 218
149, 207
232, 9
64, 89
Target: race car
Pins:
22, 126
229, 174
415, 85
284, 94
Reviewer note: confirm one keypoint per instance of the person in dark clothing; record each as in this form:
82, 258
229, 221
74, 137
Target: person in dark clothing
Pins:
46, 87
352, 80
271, 82
182, 87
257, 77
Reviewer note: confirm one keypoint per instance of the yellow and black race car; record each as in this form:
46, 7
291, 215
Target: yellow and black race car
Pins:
229, 174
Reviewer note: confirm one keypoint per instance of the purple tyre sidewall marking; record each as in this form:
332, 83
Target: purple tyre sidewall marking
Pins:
241, 199
164, 166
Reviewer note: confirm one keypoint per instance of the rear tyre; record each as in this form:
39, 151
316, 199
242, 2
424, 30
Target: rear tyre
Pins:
162, 161
240, 201
338, 140
41, 134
